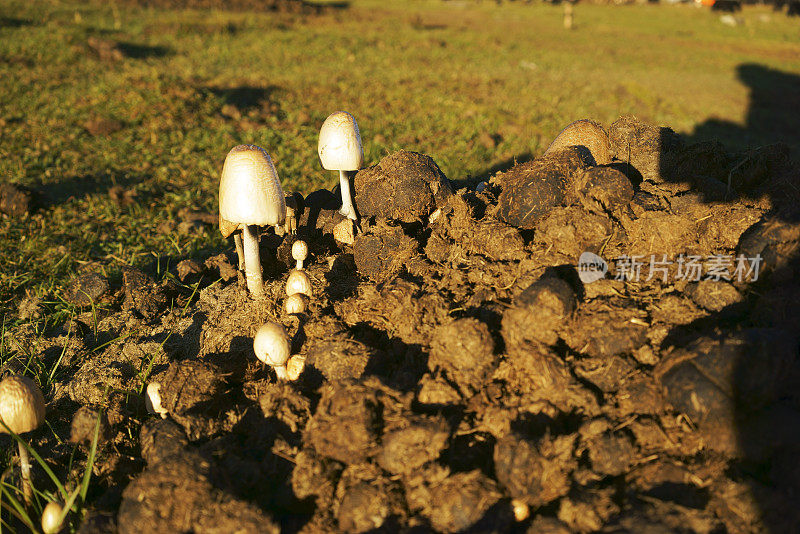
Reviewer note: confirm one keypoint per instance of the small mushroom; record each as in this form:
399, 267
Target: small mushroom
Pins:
152, 401
271, 345
52, 518
345, 232
21, 410
298, 282
299, 253
481, 186
295, 304
340, 150
250, 195
295, 366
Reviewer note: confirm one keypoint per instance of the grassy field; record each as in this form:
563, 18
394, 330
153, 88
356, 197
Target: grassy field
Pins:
94, 96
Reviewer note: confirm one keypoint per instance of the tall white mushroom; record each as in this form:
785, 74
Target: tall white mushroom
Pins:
21, 410
340, 150
250, 195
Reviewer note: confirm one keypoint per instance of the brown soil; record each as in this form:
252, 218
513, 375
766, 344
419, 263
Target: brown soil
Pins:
458, 372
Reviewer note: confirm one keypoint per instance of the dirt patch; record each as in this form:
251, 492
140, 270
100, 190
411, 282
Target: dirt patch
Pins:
461, 372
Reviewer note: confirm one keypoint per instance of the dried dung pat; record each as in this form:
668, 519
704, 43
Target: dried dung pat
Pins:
464, 350
460, 502
381, 254
718, 383
531, 189
584, 133
603, 189
86, 290
178, 495
404, 186
535, 472
538, 311
346, 424
651, 150
405, 449
368, 500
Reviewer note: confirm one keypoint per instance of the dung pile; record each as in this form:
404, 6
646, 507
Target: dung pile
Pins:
464, 372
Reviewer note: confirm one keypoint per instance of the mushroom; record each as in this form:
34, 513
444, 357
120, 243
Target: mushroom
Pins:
295, 304
340, 150
344, 232
52, 518
295, 366
298, 282
271, 345
21, 410
152, 401
250, 195
299, 253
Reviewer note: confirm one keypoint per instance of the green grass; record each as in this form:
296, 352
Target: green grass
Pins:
450, 79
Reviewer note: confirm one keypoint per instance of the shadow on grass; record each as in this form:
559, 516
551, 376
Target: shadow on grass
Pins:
13, 22
246, 97
138, 51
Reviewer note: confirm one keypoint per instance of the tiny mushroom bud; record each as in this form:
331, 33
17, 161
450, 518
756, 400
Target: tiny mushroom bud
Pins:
295, 304
51, 518
250, 195
298, 282
340, 150
21, 410
521, 510
295, 366
152, 401
344, 232
271, 345
299, 252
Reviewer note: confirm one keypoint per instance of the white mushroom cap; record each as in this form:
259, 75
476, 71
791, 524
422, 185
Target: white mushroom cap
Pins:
340, 143
299, 250
249, 190
51, 518
152, 401
295, 304
21, 404
271, 345
298, 282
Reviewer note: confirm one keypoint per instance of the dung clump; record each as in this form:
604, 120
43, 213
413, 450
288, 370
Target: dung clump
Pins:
464, 350
586, 133
404, 186
538, 311
381, 254
651, 150
531, 189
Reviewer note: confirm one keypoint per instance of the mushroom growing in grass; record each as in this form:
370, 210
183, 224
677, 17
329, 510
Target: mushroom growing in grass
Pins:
299, 253
298, 282
250, 195
271, 346
52, 518
21, 410
340, 150
152, 400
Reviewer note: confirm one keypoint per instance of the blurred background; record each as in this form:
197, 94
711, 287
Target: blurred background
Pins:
116, 116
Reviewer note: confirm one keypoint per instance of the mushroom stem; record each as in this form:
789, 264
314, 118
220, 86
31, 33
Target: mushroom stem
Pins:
25, 467
252, 261
347, 200
281, 372
237, 239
